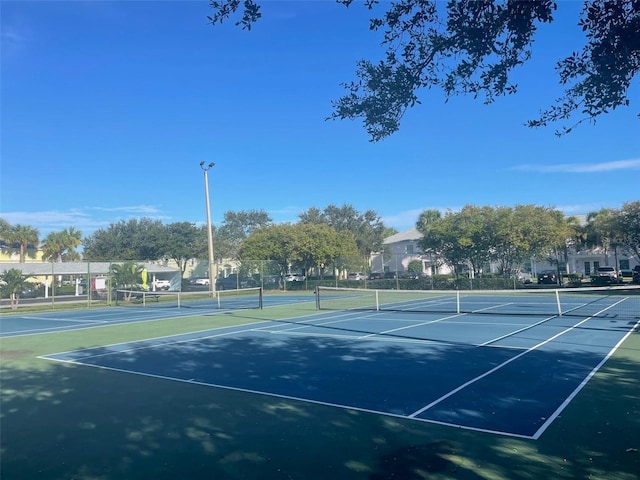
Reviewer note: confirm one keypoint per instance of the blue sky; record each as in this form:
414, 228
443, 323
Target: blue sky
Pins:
109, 107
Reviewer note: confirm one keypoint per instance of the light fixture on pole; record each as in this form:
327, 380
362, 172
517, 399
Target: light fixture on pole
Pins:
212, 272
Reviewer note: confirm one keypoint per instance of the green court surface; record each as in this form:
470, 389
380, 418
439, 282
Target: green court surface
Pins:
64, 421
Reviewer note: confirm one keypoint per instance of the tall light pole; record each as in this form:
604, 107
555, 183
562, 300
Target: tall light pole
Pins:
212, 272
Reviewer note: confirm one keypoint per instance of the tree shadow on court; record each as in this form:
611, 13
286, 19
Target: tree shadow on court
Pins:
67, 421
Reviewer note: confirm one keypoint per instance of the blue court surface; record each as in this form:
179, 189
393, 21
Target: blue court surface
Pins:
506, 374
64, 320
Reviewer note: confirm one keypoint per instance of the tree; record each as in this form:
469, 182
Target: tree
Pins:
126, 275
424, 223
472, 47
427, 219
415, 266
12, 282
321, 246
236, 227
5, 230
628, 218
458, 238
274, 242
367, 228
23, 235
476, 235
348, 257
61, 246
474, 228
603, 229
301, 245
143, 239
528, 231
181, 243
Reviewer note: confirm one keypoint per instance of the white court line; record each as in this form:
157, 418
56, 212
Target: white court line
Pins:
70, 320
386, 332
388, 414
290, 397
141, 315
568, 400
502, 365
515, 332
147, 340
234, 330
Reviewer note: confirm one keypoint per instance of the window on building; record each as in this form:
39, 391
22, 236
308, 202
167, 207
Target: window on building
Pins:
410, 249
624, 264
587, 269
596, 266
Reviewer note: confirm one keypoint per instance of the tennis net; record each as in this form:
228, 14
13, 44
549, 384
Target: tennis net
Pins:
607, 302
223, 299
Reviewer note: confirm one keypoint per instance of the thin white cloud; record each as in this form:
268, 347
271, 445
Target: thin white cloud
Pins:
407, 219
288, 214
85, 219
134, 209
580, 208
402, 220
15, 36
633, 164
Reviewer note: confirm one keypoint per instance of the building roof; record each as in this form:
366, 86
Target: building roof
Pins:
75, 268
410, 235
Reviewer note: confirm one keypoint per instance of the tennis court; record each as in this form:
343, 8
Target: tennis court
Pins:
153, 306
496, 365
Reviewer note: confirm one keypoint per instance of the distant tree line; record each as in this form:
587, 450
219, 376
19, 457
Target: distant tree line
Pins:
319, 238
340, 237
511, 236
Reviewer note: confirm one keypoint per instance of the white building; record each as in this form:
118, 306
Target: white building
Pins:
403, 248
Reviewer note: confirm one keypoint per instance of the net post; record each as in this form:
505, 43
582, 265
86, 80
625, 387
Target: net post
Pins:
260, 298
179, 294
144, 299
458, 301
377, 301
317, 292
558, 302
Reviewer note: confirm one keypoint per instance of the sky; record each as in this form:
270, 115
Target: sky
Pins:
108, 108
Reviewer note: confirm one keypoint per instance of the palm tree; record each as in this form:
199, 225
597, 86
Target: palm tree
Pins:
603, 230
74, 239
24, 235
5, 229
60, 246
54, 246
13, 282
426, 220
126, 275
5, 233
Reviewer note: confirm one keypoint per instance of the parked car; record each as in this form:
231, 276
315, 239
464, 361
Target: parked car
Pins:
162, 284
201, 281
231, 282
294, 277
356, 276
29, 293
607, 275
410, 275
270, 280
548, 276
390, 275
636, 274
525, 277
376, 275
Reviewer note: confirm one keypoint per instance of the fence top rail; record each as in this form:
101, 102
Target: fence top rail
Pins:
76, 268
